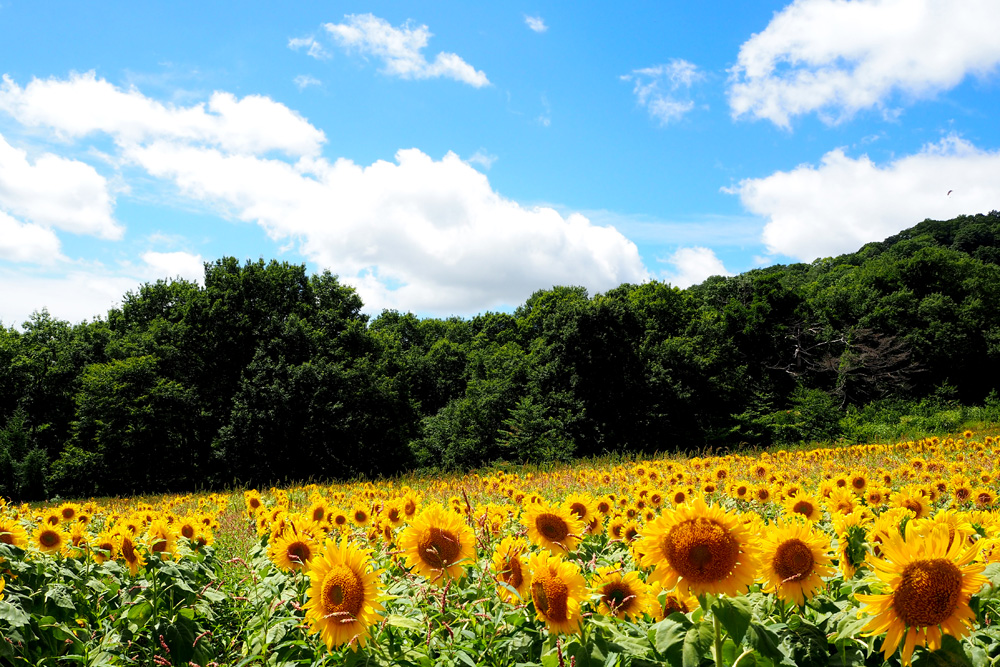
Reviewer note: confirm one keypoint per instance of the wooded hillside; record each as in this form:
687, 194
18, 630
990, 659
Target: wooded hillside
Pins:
266, 373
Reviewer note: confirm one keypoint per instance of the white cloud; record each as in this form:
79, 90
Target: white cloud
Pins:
400, 49
84, 104
75, 296
303, 81
177, 264
415, 234
664, 89
56, 192
313, 48
435, 228
693, 266
536, 23
483, 159
27, 243
838, 206
837, 57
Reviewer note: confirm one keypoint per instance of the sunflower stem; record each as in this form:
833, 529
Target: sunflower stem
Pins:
717, 624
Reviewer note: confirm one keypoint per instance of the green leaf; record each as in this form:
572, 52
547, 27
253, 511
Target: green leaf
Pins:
140, 612
60, 595
405, 623
667, 637
951, 654
464, 657
764, 641
697, 641
735, 614
14, 615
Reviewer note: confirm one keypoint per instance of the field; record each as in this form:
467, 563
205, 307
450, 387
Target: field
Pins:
842, 556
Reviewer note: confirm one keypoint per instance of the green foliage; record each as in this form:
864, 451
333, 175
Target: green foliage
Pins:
264, 373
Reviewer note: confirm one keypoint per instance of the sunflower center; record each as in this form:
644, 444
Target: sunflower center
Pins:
7, 538
439, 548
928, 592
299, 552
187, 530
551, 597
617, 595
343, 594
701, 550
128, 551
512, 573
318, 513
673, 605
859, 483
803, 507
793, 560
578, 509
914, 506
49, 539
553, 527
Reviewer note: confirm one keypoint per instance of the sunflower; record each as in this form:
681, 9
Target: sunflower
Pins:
912, 499
13, 533
851, 540
702, 548
437, 544
162, 539
582, 506
552, 528
557, 586
841, 501
3, 584
622, 594
69, 511
50, 539
804, 505
983, 497
510, 569
929, 586
318, 510
253, 502
188, 527
360, 515
104, 547
794, 558
292, 551
673, 602
128, 551
343, 594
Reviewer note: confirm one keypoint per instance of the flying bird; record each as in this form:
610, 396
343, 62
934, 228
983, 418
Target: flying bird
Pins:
949, 193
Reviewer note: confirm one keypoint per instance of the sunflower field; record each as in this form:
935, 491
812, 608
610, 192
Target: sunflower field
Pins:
862, 555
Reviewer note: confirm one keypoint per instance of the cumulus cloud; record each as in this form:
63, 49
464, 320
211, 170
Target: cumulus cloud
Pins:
56, 192
482, 158
536, 23
844, 202
836, 57
84, 104
694, 265
81, 294
303, 81
416, 233
400, 49
313, 48
664, 89
435, 228
176, 264
27, 243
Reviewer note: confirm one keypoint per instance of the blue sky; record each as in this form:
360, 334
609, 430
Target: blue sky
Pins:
451, 158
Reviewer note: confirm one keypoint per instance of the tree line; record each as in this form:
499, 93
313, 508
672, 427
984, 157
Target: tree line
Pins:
266, 373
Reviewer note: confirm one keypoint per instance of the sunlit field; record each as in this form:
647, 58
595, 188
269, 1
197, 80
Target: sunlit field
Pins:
844, 556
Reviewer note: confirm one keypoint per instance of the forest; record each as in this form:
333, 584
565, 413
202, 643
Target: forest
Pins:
265, 373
